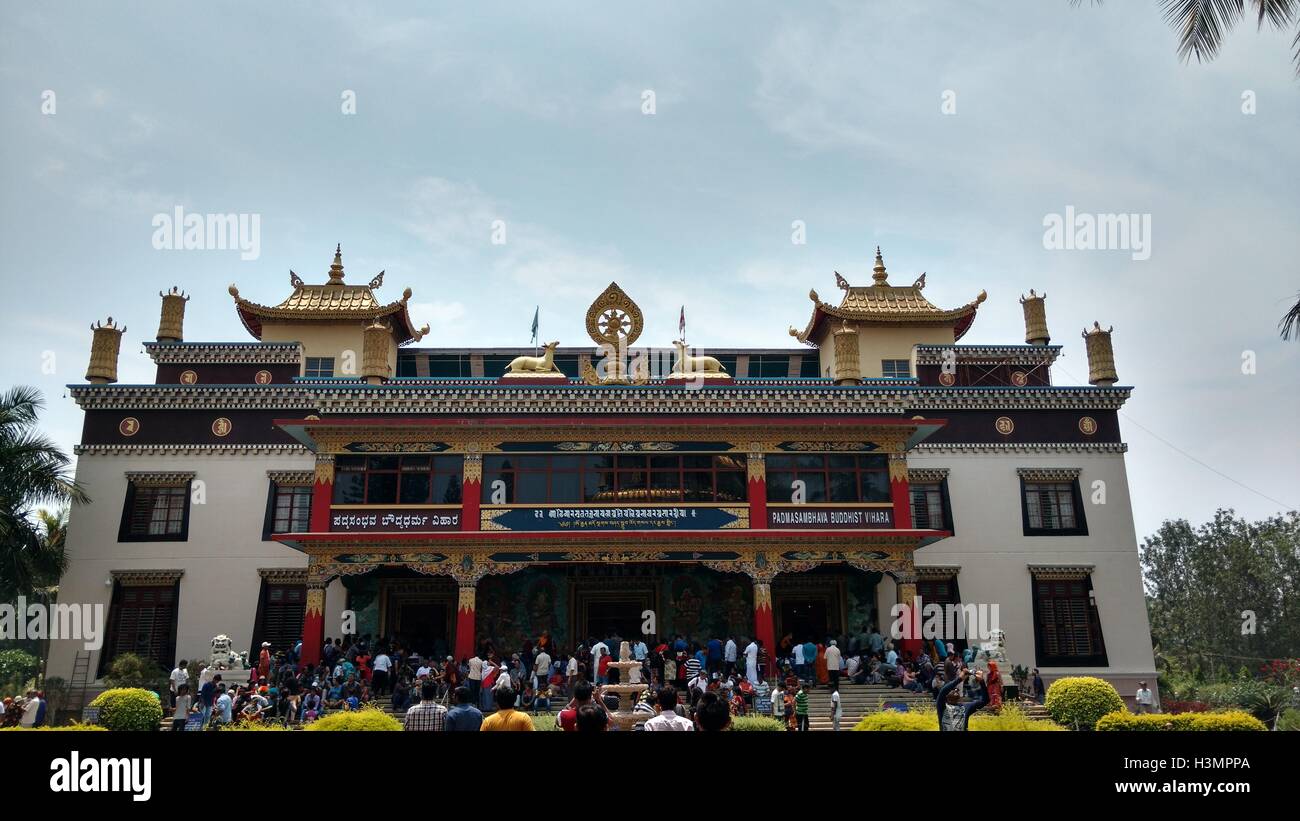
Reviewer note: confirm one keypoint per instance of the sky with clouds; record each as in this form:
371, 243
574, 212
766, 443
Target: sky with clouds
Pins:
764, 114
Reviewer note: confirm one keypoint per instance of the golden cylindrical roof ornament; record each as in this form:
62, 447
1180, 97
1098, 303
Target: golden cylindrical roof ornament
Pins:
375, 341
171, 326
1101, 357
104, 347
847, 369
1035, 318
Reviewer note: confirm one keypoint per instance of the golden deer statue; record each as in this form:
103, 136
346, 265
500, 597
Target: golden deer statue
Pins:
535, 364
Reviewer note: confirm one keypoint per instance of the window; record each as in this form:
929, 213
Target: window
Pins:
809, 367
1052, 508
319, 366
896, 369
1067, 629
397, 480
288, 509
155, 512
281, 609
942, 590
495, 365
769, 366
930, 510
141, 620
609, 478
828, 477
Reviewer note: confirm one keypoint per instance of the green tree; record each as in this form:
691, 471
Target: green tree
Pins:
1202, 24
1224, 594
33, 472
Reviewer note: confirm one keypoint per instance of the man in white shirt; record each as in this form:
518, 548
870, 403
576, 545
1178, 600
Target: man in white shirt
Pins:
798, 660
1144, 700
571, 672
424, 672
31, 706
541, 669
834, 663
380, 665
729, 656
475, 678
668, 720
837, 709
179, 676
751, 662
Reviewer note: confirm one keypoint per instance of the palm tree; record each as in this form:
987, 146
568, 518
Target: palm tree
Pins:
33, 471
1202, 24
1290, 323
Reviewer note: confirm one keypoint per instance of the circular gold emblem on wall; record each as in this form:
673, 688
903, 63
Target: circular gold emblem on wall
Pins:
262, 378
221, 427
189, 378
1004, 425
1019, 379
947, 380
1088, 426
129, 426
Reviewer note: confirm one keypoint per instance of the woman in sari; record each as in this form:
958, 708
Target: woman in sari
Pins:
823, 672
994, 683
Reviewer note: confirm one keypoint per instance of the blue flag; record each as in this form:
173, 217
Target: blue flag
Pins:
535, 312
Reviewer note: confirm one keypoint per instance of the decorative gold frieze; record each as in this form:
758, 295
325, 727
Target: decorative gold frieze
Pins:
290, 478
146, 578
898, 467
324, 469
1048, 474
756, 467
473, 469
283, 575
926, 475
159, 478
1047, 572
938, 571
315, 601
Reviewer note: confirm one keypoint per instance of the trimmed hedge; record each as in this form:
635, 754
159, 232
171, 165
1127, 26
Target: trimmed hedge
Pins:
545, 721
891, 720
367, 719
128, 709
74, 727
1229, 721
757, 724
1080, 701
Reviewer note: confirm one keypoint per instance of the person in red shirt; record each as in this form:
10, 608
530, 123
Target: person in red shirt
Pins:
603, 673
582, 691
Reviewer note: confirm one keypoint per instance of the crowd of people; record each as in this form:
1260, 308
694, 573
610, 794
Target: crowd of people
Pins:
28, 710
726, 674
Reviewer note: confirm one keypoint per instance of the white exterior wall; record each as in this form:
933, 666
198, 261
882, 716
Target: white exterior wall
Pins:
994, 555
220, 560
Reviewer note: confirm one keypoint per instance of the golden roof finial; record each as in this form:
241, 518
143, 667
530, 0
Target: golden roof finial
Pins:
336, 269
878, 273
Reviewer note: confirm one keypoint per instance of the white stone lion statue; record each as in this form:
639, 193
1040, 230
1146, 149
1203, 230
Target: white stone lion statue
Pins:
223, 656
995, 649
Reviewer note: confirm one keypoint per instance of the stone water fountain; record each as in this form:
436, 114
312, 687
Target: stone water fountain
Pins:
627, 692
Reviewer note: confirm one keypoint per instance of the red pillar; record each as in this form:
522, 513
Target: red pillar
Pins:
313, 627
465, 642
471, 493
757, 488
322, 495
907, 595
764, 626
900, 491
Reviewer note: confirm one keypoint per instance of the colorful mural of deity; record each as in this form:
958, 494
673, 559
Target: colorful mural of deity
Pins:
522, 606
701, 604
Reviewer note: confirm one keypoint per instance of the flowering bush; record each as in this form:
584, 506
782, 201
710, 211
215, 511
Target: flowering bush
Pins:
1010, 719
1173, 706
757, 724
892, 720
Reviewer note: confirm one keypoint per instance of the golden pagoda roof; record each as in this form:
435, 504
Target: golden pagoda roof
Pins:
331, 301
882, 303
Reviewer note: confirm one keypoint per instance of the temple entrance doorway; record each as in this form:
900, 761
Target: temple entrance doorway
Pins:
602, 613
419, 614
804, 619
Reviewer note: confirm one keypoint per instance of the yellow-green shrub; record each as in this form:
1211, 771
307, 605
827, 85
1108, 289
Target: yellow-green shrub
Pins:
890, 720
1011, 719
757, 724
253, 726
544, 721
128, 709
1227, 721
1079, 701
367, 719
73, 727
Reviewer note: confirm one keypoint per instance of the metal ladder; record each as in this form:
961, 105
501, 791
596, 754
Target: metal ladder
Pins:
80, 681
